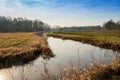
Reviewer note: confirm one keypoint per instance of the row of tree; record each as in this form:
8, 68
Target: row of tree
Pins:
8, 24
98, 27
111, 25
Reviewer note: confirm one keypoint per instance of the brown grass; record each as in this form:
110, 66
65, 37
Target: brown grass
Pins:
19, 48
108, 44
102, 35
94, 72
109, 71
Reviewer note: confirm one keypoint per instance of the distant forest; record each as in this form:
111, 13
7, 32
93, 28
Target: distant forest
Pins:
109, 25
8, 24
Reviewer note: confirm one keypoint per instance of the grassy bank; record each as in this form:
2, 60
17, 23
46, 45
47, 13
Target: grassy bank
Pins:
20, 48
109, 39
109, 71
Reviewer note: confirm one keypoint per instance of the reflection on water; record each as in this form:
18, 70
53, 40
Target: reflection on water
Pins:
31, 71
71, 51
67, 52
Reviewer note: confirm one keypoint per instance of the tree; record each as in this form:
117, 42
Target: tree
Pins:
110, 25
118, 24
8, 24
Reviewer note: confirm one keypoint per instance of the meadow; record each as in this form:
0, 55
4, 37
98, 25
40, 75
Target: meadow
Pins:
104, 35
109, 39
18, 48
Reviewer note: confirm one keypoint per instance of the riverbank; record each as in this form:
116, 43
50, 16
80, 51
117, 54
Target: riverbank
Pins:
94, 72
103, 39
109, 39
20, 48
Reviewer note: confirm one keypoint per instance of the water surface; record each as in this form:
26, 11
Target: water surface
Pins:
67, 52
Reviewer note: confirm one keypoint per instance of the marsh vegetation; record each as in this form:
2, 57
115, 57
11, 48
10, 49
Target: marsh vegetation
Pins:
74, 64
20, 48
109, 39
90, 54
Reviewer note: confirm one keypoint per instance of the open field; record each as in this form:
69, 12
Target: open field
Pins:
109, 35
18, 48
15, 39
109, 39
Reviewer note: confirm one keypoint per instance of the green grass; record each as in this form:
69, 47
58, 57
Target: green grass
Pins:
18, 39
104, 35
14, 39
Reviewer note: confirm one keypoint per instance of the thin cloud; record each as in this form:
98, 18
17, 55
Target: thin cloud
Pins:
63, 12
10, 4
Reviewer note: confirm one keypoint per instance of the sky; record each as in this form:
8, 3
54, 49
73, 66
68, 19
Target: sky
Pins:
63, 12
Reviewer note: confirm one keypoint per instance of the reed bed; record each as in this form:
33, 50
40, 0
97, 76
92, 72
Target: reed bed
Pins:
110, 71
20, 48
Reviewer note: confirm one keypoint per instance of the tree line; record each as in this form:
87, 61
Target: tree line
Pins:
98, 27
8, 24
111, 25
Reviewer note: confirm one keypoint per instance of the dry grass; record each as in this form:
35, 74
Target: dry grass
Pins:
103, 39
21, 47
94, 72
103, 35
18, 39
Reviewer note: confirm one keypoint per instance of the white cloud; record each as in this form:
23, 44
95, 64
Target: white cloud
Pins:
67, 15
10, 5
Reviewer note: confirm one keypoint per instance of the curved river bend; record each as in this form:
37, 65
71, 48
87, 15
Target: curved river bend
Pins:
67, 52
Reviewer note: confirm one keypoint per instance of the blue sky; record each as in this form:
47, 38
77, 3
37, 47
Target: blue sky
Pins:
63, 12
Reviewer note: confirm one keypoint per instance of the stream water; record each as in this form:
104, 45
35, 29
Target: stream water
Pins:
67, 52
